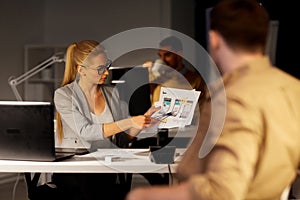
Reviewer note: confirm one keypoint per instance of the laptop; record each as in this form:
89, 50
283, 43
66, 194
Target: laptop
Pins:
27, 132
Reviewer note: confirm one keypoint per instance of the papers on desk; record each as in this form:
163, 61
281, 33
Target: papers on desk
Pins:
109, 155
119, 152
177, 107
117, 155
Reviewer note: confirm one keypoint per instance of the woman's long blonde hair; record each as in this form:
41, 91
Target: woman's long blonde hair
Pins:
77, 54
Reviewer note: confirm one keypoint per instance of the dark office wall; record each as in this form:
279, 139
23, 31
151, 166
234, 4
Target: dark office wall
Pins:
56, 22
182, 16
287, 54
73, 20
21, 23
288, 40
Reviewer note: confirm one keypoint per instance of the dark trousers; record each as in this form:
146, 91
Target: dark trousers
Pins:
89, 186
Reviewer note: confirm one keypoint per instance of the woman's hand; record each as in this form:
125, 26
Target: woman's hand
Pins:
135, 124
140, 121
152, 110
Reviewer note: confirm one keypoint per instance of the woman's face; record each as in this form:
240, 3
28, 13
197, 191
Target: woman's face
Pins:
97, 71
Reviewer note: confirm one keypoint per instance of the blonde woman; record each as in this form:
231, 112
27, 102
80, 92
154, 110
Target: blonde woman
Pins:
91, 115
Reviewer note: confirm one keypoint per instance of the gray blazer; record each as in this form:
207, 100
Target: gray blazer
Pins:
78, 128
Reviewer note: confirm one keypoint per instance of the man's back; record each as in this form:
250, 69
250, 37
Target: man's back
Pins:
272, 100
263, 112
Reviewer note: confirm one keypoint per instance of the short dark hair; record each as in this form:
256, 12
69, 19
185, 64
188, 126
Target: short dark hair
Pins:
172, 41
242, 23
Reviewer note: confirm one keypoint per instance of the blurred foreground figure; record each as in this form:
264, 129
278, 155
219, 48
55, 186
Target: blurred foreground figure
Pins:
256, 154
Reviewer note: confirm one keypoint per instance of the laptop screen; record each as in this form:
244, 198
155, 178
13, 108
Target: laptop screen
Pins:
26, 130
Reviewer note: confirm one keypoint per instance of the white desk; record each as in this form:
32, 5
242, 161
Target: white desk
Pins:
127, 162
123, 161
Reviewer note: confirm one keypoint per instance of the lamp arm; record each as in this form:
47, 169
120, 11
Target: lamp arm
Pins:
13, 82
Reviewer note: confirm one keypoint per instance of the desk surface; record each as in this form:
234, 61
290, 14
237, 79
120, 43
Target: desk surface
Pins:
122, 160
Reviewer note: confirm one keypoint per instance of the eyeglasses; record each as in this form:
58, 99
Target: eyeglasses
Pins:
101, 68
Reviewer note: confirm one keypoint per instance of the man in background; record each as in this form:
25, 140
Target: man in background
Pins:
170, 70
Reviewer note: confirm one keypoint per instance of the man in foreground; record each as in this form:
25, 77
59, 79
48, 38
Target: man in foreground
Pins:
257, 153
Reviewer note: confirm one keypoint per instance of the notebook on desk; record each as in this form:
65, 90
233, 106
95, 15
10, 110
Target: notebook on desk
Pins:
27, 132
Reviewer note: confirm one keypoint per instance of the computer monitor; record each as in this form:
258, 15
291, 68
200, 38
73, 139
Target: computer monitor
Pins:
27, 131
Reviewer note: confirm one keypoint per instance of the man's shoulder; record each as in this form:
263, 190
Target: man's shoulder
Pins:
191, 73
195, 79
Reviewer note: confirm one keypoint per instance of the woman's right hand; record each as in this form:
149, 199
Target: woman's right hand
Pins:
140, 121
152, 110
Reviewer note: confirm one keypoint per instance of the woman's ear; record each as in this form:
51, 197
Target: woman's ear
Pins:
80, 70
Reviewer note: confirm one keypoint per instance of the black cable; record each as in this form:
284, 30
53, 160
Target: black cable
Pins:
170, 174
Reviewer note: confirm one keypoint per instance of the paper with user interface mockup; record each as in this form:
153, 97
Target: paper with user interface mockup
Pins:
177, 107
